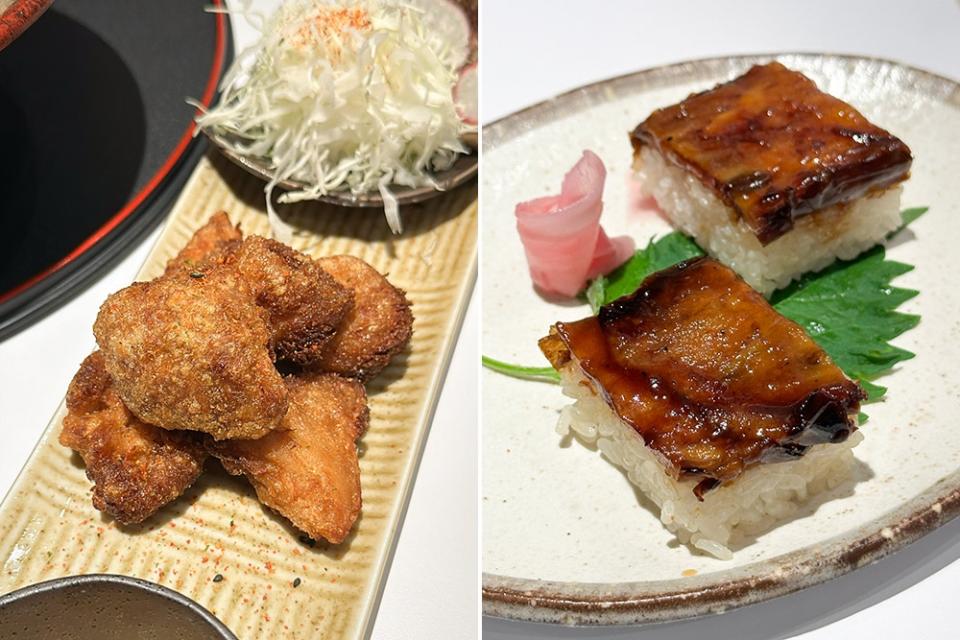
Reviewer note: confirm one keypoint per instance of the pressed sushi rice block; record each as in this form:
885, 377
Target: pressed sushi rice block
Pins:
772, 176
722, 411
841, 231
751, 505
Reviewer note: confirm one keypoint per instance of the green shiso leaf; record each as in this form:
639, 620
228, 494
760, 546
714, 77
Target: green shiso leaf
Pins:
849, 308
909, 215
595, 293
543, 374
659, 253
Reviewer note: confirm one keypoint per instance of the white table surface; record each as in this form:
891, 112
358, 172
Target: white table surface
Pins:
431, 588
534, 49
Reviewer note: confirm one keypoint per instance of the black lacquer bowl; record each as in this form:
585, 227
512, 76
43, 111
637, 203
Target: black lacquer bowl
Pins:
97, 138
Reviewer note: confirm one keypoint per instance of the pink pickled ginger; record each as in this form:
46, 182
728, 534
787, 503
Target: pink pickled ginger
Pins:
562, 236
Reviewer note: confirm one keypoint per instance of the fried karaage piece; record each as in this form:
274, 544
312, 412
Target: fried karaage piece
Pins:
305, 305
192, 353
136, 468
207, 247
308, 470
377, 327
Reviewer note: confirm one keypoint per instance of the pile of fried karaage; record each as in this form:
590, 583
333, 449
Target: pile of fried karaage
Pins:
187, 368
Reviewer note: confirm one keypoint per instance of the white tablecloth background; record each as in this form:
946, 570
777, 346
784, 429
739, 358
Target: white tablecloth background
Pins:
431, 589
534, 49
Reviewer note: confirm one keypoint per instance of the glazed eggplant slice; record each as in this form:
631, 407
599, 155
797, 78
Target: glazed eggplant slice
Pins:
708, 373
773, 147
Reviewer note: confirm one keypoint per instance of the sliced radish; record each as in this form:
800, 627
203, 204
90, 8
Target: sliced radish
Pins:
562, 237
449, 22
465, 94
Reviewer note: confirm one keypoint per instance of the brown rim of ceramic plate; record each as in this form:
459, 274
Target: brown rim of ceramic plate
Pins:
462, 170
170, 595
19, 15
666, 600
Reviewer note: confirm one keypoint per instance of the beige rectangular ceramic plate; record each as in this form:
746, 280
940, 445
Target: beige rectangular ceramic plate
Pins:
48, 527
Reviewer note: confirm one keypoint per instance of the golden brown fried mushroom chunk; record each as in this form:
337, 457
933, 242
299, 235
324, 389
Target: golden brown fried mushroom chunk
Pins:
377, 327
308, 470
192, 353
305, 305
136, 468
207, 246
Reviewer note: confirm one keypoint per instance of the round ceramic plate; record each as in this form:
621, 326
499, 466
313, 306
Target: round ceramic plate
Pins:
565, 537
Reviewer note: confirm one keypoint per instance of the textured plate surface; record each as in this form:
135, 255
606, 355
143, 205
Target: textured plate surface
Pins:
48, 527
565, 538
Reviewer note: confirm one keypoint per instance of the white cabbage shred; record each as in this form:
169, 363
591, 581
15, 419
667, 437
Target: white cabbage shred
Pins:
351, 96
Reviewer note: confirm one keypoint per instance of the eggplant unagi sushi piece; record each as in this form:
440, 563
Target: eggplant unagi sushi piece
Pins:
718, 408
772, 176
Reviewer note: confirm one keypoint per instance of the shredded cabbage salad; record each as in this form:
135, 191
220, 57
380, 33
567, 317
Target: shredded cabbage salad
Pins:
352, 95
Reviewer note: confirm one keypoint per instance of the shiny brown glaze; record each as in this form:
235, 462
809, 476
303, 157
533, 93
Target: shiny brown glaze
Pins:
773, 147
708, 373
